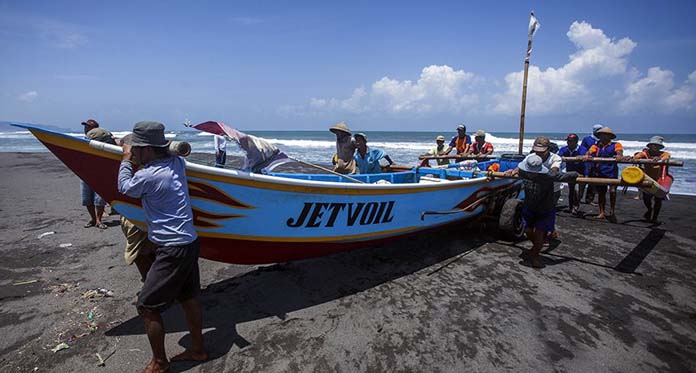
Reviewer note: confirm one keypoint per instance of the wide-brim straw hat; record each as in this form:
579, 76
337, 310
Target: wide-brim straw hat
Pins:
657, 140
149, 134
606, 130
340, 127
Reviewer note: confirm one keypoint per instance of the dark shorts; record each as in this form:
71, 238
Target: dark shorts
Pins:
545, 221
173, 276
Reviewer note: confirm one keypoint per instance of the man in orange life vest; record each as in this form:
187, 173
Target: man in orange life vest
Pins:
654, 152
460, 142
605, 148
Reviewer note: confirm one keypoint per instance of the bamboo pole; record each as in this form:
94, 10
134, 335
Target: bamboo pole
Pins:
327, 170
524, 89
434, 157
627, 161
579, 180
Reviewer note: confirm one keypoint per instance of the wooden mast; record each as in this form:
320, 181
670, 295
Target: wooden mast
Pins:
533, 25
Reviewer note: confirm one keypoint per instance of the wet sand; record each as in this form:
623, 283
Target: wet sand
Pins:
613, 297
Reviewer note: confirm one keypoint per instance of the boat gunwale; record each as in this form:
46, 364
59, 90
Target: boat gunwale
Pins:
233, 175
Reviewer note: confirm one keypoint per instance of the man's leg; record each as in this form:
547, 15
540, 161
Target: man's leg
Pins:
154, 327
612, 200
537, 237
194, 319
656, 209
602, 197
92, 218
647, 201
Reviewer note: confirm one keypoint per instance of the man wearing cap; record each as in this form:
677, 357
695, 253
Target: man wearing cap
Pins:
587, 142
460, 142
161, 185
367, 159
574, 150
438, 150
344, 163
605, 148
480, 145
653, 151
91, 200
538, 209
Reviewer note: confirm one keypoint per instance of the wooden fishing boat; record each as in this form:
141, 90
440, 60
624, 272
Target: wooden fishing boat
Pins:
249, 218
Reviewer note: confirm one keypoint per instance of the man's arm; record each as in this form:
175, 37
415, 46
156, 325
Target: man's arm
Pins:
128, 183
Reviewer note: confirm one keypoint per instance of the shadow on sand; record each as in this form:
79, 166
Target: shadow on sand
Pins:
276, 290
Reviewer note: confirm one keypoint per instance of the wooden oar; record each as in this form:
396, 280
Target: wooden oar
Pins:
628, 161
327, 170
579, 180
481, 156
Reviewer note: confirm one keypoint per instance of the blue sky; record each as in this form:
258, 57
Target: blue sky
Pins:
378, 65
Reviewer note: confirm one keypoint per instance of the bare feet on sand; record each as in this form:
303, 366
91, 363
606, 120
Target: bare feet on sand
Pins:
190, 355
156, 366
600, 216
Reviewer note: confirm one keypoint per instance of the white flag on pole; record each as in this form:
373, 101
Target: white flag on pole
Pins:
534, 25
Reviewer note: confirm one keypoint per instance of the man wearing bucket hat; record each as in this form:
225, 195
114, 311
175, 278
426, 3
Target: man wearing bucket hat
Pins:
605, 148
538, 208
653, 151
344, 163
460, 142
161, 185
480, 145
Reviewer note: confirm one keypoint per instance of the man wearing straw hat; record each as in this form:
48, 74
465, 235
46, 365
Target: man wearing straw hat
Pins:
605, 148
161, 185
653, 151
344, 163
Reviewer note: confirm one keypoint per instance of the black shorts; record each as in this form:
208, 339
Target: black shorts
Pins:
173, 276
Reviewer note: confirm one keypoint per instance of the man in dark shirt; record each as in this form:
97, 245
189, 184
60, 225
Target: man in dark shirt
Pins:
587, 143
538, 209
574, 150
92, 201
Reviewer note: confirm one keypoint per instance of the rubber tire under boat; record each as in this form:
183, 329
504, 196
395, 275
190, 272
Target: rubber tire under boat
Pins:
510, 223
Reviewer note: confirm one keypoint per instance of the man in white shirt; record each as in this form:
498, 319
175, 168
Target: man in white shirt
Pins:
220, 151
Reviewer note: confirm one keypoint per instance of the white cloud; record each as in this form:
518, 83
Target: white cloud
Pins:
438, 89
28, 97
656, 92
566, 89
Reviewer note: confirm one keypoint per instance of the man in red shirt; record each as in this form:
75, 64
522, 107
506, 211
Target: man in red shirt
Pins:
480, 146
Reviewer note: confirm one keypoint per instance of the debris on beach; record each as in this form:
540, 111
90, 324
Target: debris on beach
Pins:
62, 288
60, 346
97, 293
25, 282
65, 245
44, 234
102, 361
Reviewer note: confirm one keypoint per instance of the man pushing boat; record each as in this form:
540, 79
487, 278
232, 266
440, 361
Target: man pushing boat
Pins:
162, 187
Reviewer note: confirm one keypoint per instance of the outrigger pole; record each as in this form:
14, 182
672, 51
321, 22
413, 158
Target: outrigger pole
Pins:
533, 27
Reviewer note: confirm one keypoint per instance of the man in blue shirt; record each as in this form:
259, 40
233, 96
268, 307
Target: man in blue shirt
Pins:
161, 185
573, 150
367, 159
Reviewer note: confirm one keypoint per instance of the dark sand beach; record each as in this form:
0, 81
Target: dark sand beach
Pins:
612, 298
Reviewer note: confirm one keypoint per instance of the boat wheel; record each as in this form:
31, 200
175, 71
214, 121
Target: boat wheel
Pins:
510, 223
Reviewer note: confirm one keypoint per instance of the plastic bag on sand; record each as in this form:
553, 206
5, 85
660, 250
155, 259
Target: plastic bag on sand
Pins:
60, 346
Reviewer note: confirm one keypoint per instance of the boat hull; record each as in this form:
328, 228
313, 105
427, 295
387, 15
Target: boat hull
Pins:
254, 219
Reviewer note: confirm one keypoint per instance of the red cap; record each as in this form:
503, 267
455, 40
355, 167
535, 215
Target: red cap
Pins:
572, 136
91, 123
